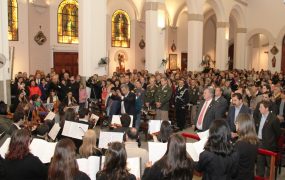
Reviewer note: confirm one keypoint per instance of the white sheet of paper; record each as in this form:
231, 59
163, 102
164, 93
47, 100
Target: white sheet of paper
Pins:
106, 137
74, 129
133, 164
42, 149
50, 116
54, 131
204, 134
196, 148
116, 120
95, 117
90, 166
5, 147
156, 150
154, 126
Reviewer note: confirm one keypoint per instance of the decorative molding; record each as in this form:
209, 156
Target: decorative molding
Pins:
241, 30
241, 2
223, 24
195, 17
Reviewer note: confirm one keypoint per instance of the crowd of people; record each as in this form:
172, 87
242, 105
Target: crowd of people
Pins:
242, 109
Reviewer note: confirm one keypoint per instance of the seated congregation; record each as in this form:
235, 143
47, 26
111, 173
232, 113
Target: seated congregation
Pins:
131, 126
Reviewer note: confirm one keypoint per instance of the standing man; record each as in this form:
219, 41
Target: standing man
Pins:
236, 108
150, 94
162, 97
181, 101
268, 132
221, 103
193, 99
128, 101
206, 111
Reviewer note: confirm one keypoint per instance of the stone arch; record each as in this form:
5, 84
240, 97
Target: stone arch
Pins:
180, 11
270, 37
131, 3
219, 10
238, 14
280, 36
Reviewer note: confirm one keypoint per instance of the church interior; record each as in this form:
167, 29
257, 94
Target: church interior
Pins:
103, 37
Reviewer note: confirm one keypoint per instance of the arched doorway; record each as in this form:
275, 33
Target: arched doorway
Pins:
283, 56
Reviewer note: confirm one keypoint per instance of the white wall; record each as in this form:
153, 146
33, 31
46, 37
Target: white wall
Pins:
209, 38
182, 35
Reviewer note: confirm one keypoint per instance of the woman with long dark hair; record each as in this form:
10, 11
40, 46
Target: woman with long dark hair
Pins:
63, 165
219, 160
19, 162
164, 133
246, 146
176, 163
115, 166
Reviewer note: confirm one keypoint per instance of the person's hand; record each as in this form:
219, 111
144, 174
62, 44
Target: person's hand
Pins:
158, 104
234, 135
148, 164
281, 118
147, 104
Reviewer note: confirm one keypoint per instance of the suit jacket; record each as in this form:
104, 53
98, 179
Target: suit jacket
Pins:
210, 115
272, 108
129, 103
231, 116
277, 106
222, 107
270, 132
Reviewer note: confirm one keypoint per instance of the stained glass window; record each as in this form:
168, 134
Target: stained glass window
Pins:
67, 22
12, 20
121, 29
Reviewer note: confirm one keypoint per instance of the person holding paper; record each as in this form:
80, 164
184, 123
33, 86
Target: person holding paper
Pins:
164, 134
115, 165
128, 100
19, 163
175, 164
88, 147
246, 146
219, 160
63, 165
18, 119
181, 101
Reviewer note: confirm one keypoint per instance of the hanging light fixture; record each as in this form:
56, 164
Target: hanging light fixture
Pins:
173, 47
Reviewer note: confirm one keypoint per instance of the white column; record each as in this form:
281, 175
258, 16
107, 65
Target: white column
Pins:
92, 36
4, 50
240, 49
222, 45
195, 42
155, 36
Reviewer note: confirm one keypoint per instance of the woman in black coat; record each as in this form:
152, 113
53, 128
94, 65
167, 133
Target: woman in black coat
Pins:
219, 160
176, 164
19, 163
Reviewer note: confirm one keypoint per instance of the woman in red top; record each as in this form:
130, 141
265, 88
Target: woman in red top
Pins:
34, 89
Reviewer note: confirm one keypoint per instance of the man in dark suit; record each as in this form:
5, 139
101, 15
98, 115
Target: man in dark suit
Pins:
280, 108
221, 103
236, 108
268, 132
18, 119
181, 101
128, 100
206, 111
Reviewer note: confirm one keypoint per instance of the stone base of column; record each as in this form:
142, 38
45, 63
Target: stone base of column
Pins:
5, 95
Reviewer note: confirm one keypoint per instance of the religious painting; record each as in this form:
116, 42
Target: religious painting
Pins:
172, 61
12, 20
121, 29
121, 57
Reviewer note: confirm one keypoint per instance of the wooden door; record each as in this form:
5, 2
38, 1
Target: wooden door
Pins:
66, 60
231, 53
184, 60
283, 56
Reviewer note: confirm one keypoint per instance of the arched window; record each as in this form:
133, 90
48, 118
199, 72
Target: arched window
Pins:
12, 20
67, 22
121, 29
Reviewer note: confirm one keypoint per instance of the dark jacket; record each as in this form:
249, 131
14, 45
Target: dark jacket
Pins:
102, 176
129, 103
221, 107
28, 168
217, 167
270, 132
231, 116
210, 115
247, 156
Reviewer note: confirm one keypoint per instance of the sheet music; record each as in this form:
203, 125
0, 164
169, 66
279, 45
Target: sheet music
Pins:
42, 149
196, 148
5, 147
154, 126
156, 150
116, 120
50, 116
204, 134
95, 117
54, 131
74, 129
107, 137
90, 166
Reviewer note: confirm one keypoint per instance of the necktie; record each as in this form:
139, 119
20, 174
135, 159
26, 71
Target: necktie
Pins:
202, 113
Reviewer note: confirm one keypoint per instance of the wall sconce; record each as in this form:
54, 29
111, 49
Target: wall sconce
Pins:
173, 47
142, 43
